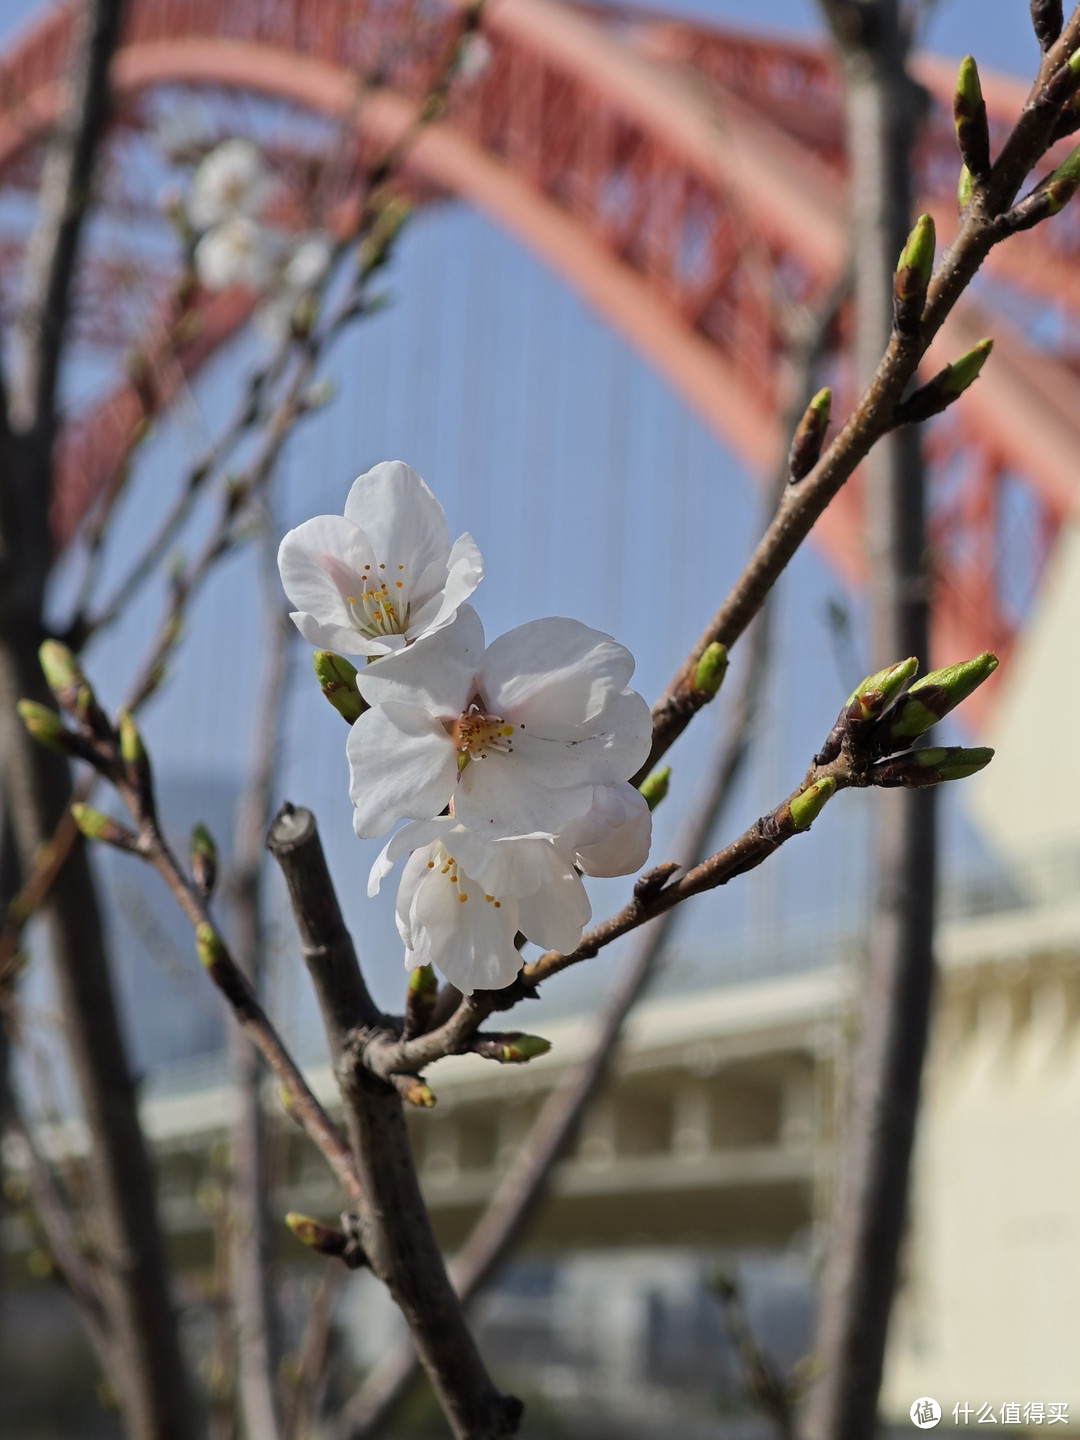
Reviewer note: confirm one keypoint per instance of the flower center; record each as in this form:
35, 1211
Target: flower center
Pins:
382, 607
475, 733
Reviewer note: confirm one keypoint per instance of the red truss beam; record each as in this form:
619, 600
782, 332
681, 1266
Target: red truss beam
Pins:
688, 182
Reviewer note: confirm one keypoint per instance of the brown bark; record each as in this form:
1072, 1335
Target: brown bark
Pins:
395, 1228
37, 783
870, 1204
257, 1339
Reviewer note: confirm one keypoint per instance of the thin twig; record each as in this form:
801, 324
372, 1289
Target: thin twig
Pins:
251, 1249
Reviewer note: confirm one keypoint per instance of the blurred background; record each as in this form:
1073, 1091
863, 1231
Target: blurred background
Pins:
575, 433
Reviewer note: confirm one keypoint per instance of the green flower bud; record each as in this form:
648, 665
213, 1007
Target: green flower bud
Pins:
932, 765
916, 264
517, 1049
931, 698
654, 787
965, 371
203, 853
965, 188
969, 113
806, 807
809, 436
131, 745
308, 1230
337, 680
62, 672
45, 726
1061, 186
97, 826
711, 669
870, 697
416, 1091
210, 945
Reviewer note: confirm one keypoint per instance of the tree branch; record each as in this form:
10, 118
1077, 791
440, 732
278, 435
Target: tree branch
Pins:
395, 1229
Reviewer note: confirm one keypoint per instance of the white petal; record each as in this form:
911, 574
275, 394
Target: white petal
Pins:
400, 515
614, 838
236, 252
614, 751
402, 765
555, 915
232, 180
437, 673
308, 263
442, 588
470, 941
553, 675
322, 563
495, 796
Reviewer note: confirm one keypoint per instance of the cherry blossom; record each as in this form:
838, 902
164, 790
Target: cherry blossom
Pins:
231, 181
463, 899
237, 252
518, 738
384, 574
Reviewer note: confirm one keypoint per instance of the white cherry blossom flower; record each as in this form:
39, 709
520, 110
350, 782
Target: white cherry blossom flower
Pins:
463, 898
384, 574
303, 269
615, 834
517, 738
231, 181
236, 252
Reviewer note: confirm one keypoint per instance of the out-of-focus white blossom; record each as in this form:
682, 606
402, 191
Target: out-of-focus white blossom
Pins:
182, 133
239, 251
303, 270
474, 57
231, 181
384, 574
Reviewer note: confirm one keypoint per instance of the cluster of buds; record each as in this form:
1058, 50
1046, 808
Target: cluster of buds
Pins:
116, 752
888, 711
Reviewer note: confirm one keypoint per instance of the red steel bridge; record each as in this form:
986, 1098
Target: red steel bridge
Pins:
687, 181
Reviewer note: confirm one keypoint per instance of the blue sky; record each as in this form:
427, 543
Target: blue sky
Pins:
592, 492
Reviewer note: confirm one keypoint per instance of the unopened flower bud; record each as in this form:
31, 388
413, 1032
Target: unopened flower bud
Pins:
940, 392
711, 669
520, 1048
420, 998
62, 672
326, 1239
415, 1091
965, 188
654, 787
131, 745
969, 113
45, 726
870, 698
935, 695
806, 807
932, 765
809, 436
96, 825
1062, 185
203, 854
865, 703
337, 680
913, 272
210, 945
